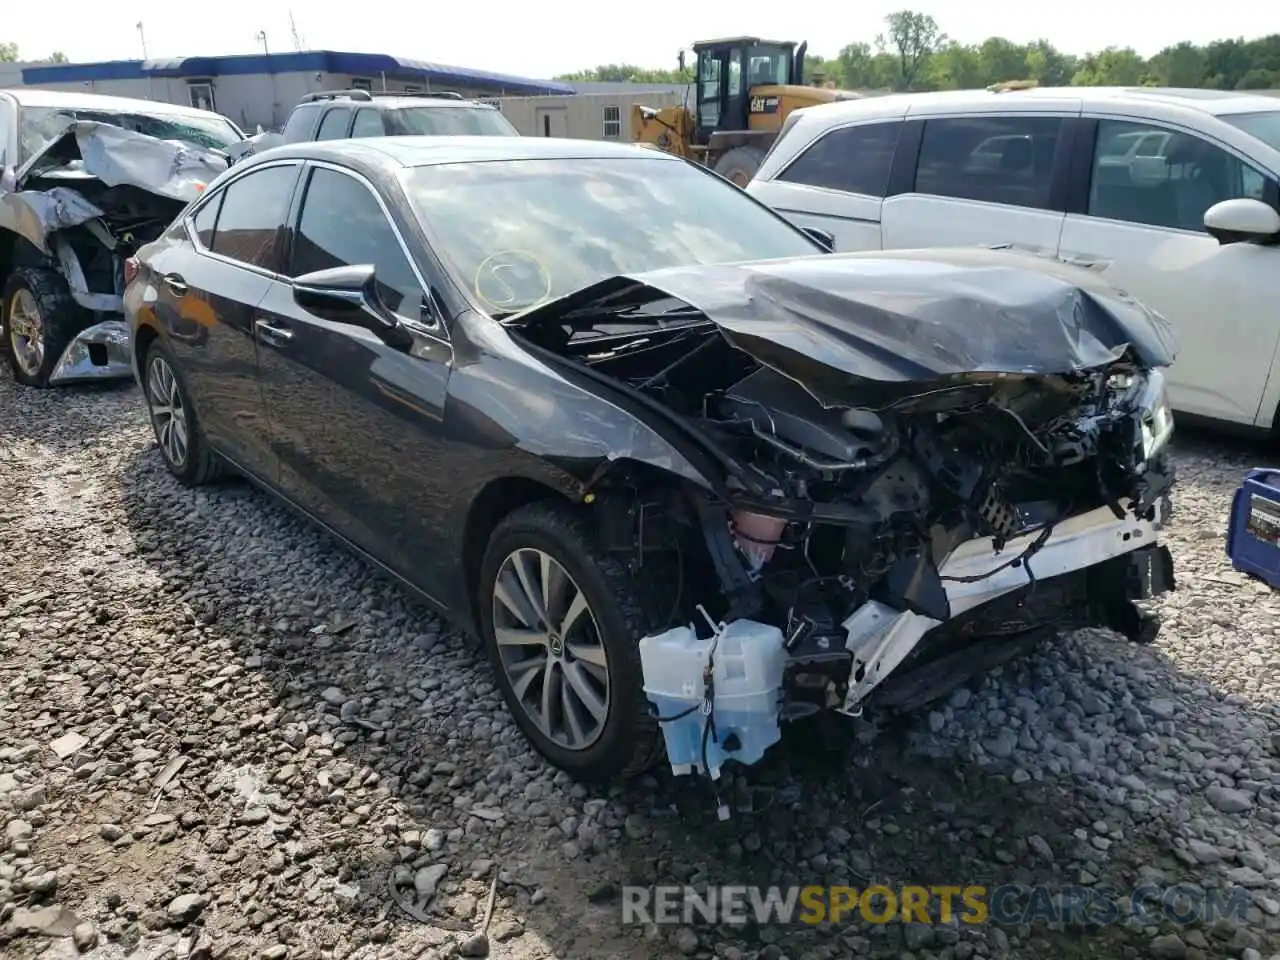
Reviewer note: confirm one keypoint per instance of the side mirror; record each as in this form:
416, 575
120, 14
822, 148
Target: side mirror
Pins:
828, 240
1242, 221
350, 295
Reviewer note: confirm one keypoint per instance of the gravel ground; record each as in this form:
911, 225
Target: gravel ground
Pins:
220, 735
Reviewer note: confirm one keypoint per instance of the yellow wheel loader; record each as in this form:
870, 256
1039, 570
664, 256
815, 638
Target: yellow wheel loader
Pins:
743, 91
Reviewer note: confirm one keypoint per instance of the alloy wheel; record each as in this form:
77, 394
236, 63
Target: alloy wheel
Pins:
168, 414
26, 332
550, 648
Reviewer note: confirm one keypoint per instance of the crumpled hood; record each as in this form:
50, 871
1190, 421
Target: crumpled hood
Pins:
116, 156
915, 315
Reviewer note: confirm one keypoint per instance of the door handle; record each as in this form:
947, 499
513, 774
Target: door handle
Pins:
177, 286
1087, 262
276, 336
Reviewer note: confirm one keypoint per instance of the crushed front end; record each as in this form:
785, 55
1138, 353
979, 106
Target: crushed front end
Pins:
997, 472
79, 209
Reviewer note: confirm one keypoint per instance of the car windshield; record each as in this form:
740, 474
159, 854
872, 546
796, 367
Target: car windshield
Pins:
518, 232
454, 121
41, 125
1264, 125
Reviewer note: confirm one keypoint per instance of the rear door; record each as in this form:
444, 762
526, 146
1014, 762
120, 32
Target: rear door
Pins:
209, 289
1138, 219
984, 180
357, 424
837, 183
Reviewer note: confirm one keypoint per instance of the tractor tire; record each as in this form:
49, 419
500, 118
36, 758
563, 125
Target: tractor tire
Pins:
740, 164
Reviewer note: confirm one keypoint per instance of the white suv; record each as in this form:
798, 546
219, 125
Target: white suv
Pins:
1173, 195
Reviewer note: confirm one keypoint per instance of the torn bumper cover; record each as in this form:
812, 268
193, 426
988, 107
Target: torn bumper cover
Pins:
911, 457
975, 573
100, 352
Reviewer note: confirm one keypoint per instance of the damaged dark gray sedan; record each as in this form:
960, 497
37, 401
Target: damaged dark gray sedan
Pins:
84, 181
688, 475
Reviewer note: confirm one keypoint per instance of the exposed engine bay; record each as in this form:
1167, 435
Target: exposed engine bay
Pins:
857, 513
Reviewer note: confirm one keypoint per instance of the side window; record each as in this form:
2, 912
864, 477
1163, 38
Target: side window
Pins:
205, 219
1169, 181
368, 123
343, 225
6, 122
253, 208
334, 124
301, 122
993, 159
852, 159
709, 88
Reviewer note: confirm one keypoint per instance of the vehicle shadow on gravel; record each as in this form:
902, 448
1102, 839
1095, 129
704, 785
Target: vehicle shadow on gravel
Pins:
344, 718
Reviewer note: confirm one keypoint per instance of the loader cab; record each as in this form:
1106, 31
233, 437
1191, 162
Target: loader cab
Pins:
728, 70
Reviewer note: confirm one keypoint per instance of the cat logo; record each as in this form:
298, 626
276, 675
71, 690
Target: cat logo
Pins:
764, 104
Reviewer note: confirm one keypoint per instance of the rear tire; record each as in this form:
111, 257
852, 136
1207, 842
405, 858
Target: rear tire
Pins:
182, 443
38, 320
740, 164
612, 618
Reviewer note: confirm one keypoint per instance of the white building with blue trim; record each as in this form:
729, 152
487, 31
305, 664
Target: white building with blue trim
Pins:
261, 89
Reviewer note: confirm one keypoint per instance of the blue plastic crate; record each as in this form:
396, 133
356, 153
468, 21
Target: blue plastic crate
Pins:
1253, 539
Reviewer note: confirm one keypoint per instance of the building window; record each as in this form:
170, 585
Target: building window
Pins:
200, 93
360, 83
613, 122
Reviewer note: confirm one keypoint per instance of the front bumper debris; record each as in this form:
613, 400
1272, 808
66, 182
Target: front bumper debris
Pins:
100, 352
880, 638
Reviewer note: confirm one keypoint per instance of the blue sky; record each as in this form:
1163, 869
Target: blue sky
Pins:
556, 36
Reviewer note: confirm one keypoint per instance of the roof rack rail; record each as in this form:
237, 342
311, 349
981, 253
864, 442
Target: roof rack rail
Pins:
364, 96
441, 94
334, 94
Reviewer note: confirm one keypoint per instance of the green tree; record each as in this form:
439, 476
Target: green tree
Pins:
956, 67
1182, 65
58, 57
913, 38
8, 52
1049, 66
627, 73
1002, 60
857, 68
1112, 67
914, 54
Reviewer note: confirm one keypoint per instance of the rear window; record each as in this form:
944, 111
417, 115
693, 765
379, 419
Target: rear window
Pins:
1265, 125
450, 121
39, 126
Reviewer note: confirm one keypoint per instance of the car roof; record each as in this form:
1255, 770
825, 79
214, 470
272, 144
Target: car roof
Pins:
35, 97
423, 151
1209, 102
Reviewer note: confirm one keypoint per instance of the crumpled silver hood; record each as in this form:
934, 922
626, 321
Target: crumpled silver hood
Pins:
110, 154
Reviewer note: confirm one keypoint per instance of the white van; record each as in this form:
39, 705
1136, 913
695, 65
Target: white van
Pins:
1172, 195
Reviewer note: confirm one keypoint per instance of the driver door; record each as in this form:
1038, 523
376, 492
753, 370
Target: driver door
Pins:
358, 424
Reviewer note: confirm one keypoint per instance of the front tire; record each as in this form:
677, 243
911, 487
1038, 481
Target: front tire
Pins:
561, 621
38, 320
173, 418
740, 164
